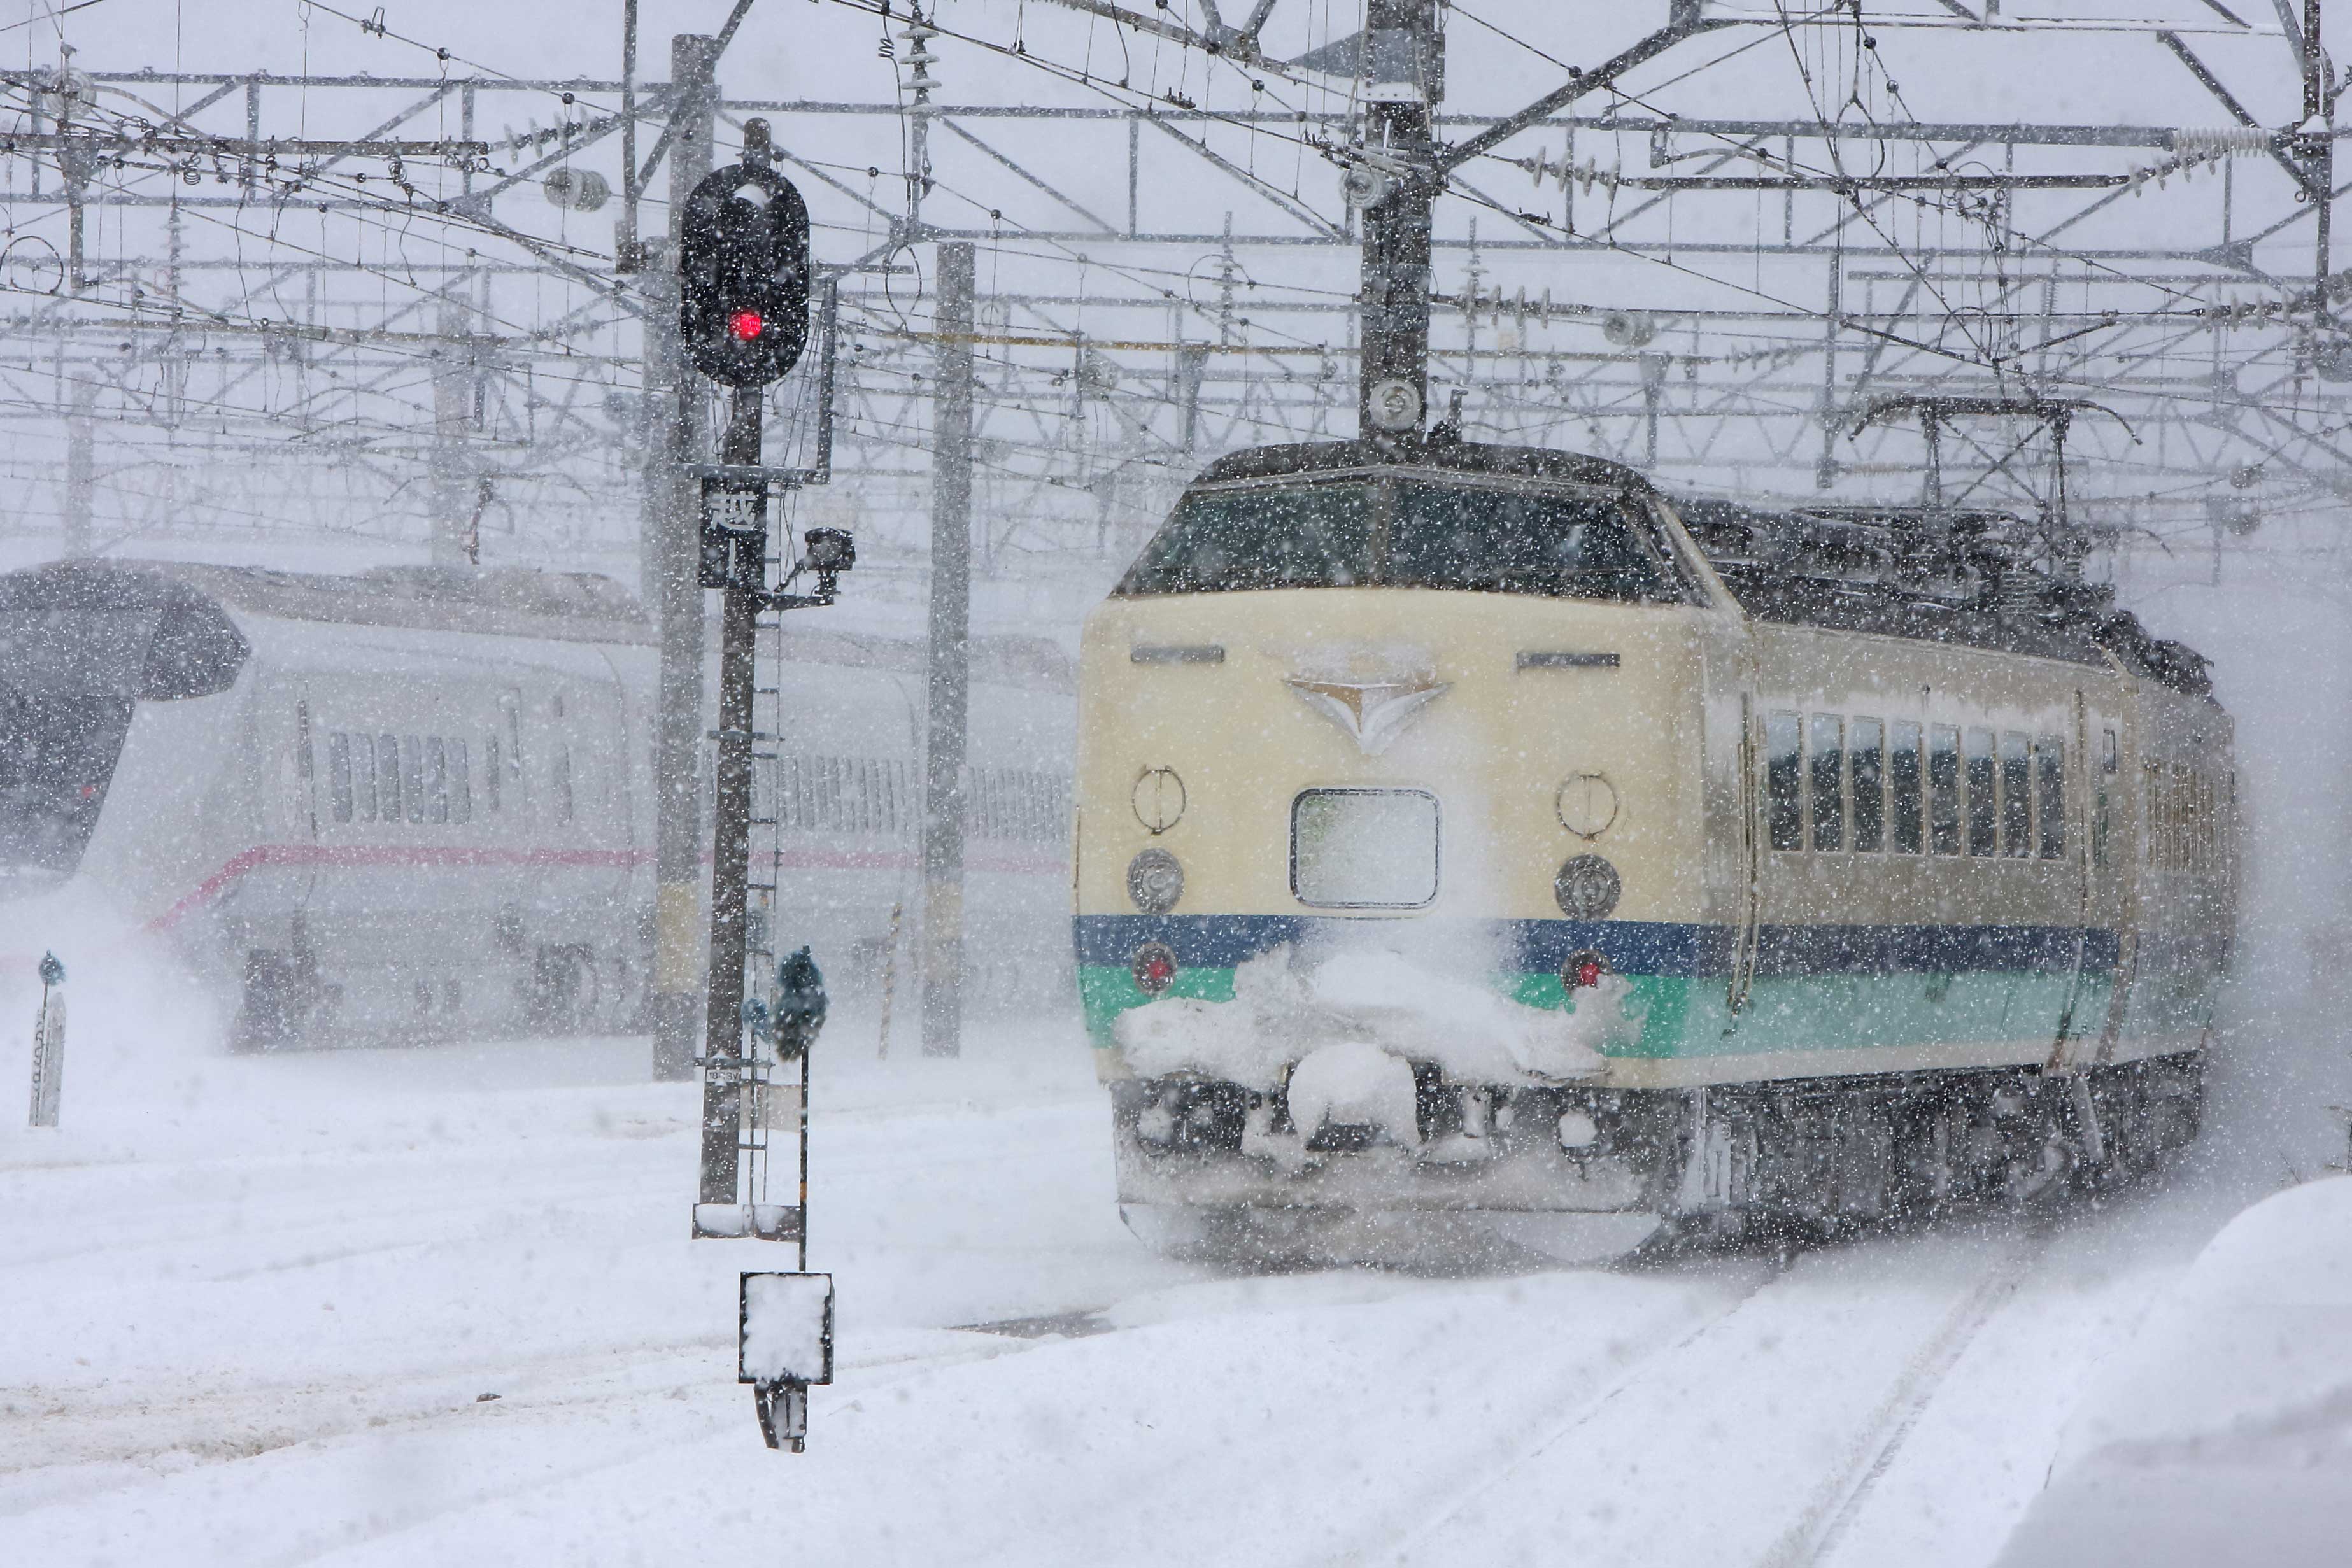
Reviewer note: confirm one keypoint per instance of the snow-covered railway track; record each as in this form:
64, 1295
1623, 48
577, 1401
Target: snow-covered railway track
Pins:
1790, 1400
1815, 1536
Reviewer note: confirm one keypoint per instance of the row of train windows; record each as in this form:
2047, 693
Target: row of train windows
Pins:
884, 797
1934, 789
419, 779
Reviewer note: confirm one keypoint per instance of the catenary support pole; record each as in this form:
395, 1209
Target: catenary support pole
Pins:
1405, 45
680, 435
81, 459
730, 849
453, 398
949, 681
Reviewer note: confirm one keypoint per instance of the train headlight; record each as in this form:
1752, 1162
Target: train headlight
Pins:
1587, 888
1578, 1130
1154, 968
1155, 882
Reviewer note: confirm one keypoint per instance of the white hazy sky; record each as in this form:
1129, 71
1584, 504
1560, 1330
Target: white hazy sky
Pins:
796, 47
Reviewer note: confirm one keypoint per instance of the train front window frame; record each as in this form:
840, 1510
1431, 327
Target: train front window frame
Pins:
1320, 819
1371, 529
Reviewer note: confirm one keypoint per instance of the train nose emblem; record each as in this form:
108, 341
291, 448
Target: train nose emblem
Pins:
1373, 713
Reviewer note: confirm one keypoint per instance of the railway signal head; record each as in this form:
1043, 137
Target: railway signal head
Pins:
743, 275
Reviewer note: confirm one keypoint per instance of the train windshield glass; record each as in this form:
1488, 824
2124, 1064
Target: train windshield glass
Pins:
67, 680
75, 650
56, 753
1499, 540
1223, 542
1390, 533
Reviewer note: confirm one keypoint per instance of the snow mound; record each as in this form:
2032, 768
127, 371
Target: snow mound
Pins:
1355, 1083
2222, 1433
1280, 1014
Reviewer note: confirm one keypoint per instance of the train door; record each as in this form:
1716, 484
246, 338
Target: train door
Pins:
1750, 846
2082, 1024
269, 922
299, 773
2116, 873
1730, 769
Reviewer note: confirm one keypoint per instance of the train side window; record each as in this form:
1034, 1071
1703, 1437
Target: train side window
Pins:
411, 768
2110, 764
437, 779
511, 705
363, 778
562, 783
2050, 757
1906, 777
387, 778
1784, 780
338, 774
1944, 788
1864, 745
1978, 747
1829, 781
490, 774
461, 785
2016, 795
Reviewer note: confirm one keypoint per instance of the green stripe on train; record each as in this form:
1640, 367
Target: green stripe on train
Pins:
1684, 1016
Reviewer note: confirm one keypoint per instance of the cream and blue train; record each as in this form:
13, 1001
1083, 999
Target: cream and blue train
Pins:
1473, 839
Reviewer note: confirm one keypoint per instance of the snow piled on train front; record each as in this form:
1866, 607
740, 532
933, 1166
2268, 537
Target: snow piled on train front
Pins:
1282, 1011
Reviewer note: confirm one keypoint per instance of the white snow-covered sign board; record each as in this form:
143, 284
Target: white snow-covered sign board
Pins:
787, 1329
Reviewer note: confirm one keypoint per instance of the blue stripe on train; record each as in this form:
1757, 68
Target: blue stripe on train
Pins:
1633, 946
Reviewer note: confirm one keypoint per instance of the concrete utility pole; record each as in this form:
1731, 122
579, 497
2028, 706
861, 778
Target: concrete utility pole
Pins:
949, 671
681, 433
453, 389
82, 458
82, 401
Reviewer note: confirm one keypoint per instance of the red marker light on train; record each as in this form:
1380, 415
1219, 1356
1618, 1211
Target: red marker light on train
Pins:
1583, 970
746, 324
1154, 968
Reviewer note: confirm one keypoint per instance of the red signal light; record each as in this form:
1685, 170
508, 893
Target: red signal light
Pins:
746, 324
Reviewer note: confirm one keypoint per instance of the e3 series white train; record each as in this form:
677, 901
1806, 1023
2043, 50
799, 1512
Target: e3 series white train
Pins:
415, 803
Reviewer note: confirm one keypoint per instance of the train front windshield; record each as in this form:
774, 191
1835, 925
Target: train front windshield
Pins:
79, 646
1405, 533
56, 753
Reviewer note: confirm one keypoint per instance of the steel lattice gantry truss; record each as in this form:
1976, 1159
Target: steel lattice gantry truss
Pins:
305, 309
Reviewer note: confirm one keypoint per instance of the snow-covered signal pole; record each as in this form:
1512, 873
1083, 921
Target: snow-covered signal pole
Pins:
744, 273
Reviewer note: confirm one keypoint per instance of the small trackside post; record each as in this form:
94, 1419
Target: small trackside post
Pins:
49, 1043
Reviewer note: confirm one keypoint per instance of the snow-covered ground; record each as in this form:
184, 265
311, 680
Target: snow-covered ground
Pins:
253, 1306
249, 1308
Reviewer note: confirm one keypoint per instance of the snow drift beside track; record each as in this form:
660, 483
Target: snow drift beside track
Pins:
2222, 1433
